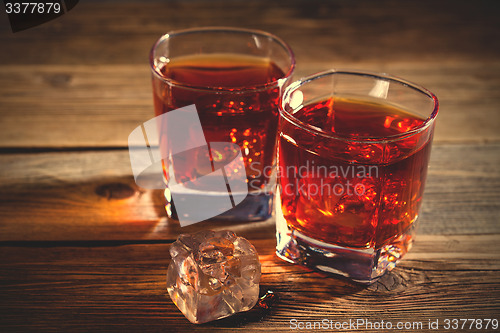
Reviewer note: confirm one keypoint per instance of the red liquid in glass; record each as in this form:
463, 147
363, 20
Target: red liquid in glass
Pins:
349, 193
235, 102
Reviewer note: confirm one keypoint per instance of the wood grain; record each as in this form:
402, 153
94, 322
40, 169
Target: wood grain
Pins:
85, 196
67, 106
123, 287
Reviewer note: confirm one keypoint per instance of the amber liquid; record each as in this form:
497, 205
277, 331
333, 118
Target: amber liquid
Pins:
356, 194
236, 97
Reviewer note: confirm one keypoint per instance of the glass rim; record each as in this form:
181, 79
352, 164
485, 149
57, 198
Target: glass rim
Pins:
375, 139
217, 29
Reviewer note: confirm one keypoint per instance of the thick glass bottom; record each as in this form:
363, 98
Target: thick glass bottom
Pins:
360, 265
254, 207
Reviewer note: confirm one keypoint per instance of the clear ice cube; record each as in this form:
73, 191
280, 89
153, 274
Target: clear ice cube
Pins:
212, 275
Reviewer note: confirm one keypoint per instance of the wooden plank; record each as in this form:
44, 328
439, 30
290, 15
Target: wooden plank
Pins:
86, 196
83, 196
123, 287
112, 33
67, 106
98, 106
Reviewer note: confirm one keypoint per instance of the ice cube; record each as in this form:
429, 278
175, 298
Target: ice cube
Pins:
212, 275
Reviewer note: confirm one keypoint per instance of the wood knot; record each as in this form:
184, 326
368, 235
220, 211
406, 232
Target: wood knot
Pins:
115, 191
58, 80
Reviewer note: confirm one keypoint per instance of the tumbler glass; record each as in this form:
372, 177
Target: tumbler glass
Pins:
352, 162
234, 77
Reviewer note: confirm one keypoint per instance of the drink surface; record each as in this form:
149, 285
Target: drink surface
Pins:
236, 97
357, 190
221, 70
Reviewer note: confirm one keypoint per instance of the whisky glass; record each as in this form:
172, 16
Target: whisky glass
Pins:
352, 163
234, 78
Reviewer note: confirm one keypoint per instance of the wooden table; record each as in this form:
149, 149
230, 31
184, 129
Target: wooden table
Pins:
82, 248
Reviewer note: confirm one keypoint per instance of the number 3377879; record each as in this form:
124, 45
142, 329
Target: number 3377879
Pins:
32, 8
469, 324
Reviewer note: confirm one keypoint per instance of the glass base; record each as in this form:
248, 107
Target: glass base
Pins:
255, 207
360, 265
